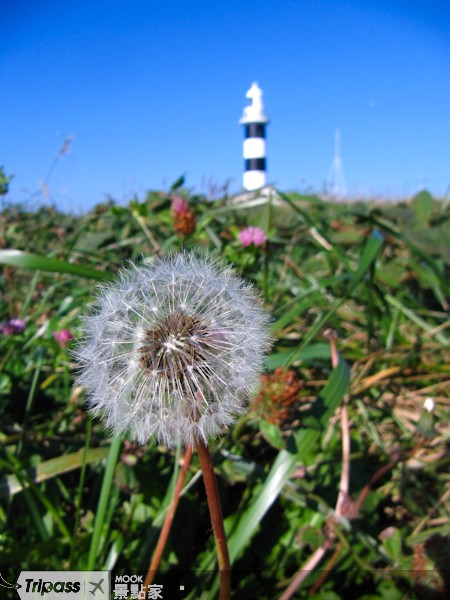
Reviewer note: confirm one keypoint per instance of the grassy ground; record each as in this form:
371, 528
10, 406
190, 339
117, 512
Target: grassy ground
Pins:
359, 296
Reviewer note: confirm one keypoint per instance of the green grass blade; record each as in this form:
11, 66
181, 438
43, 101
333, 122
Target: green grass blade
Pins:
26, 482
11, 485
29, 404
103, 501
84, 463
306, 301
411, 315
106, 537
368, 257
279, 474
115, 551
27, 260
319, 351
315, 226
407, 239
34, 509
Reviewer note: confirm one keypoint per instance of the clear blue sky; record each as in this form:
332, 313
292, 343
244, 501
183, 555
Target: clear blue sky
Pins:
150, 90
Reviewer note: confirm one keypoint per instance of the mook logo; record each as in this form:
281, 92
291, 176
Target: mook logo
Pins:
63, 585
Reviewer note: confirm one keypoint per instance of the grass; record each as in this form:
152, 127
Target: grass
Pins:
359, 296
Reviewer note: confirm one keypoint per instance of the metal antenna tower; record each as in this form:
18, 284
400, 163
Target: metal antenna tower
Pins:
336, 180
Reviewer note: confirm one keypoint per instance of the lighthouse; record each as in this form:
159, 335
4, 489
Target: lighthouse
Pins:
254, 120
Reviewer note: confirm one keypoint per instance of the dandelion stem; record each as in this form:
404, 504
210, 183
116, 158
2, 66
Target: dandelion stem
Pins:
165, 530
215, 511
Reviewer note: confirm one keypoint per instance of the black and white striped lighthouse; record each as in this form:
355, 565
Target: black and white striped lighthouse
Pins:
254, 121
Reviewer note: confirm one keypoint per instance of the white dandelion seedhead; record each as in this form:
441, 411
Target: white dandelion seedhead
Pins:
173, 350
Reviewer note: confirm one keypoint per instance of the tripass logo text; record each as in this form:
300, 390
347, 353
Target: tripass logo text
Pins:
43, 587
64, 585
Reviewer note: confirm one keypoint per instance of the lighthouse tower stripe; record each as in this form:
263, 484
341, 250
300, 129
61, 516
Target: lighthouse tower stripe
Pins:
253, 180
255, 130
254, 150
255, 164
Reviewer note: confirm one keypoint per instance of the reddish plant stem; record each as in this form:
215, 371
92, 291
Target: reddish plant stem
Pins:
331, 337
345, 471
215, 511
326, 571
345, 427
165, 530
303, 573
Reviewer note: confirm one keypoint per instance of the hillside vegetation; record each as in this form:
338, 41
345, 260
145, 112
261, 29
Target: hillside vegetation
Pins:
359, 298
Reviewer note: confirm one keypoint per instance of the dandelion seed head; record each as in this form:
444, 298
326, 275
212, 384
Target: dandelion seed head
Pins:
173, 350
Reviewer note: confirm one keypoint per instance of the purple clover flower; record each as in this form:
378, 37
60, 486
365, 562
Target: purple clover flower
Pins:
63, 337
12, 326
179, 205
252, 235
